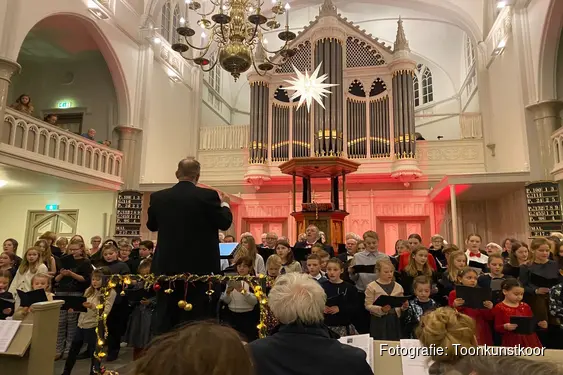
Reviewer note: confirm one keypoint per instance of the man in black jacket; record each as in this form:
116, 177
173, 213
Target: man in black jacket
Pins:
304, 248
187, 219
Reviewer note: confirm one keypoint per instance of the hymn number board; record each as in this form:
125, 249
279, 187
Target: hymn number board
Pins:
544, 208
129, 208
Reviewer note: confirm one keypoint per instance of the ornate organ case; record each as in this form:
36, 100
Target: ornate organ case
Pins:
368, 115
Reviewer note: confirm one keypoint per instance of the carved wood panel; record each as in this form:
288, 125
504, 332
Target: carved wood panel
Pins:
277, 228
256, 229
391, 236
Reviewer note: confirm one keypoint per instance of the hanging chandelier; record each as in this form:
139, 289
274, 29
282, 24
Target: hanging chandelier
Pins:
232, 31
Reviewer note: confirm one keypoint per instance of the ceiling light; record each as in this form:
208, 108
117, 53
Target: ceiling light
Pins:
3, 183
501, 4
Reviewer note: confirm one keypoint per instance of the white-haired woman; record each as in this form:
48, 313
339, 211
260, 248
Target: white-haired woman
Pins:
302, 344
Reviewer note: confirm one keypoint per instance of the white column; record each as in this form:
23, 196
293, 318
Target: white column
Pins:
7, 69
453, 201
546, 120
130, 144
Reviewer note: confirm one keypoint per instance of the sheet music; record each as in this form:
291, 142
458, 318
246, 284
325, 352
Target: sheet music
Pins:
364, 342
8, 329
413, 364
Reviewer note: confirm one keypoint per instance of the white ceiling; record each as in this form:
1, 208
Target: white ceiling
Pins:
433, 40
22, 181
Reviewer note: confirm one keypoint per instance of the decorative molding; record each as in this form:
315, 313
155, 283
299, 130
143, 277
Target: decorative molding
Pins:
401, 209
258, 209
499, 35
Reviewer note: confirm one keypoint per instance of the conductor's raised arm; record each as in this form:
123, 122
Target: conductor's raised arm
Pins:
221, 210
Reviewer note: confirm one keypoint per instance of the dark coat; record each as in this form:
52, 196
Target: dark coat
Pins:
306, 350
188, 219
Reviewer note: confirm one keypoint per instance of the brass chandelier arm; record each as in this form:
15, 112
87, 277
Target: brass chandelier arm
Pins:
204, 15
278, 51
268, 59
210, 67
260, 72
200, 48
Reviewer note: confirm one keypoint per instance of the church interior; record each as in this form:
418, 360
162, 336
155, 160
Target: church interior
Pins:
437, 118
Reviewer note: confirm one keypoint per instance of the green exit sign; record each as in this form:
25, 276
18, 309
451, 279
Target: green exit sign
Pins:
65, 104
52, 207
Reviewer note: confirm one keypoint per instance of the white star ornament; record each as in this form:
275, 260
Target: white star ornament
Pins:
309, 87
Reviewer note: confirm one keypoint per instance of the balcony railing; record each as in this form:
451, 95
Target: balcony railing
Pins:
228, 137
37, 141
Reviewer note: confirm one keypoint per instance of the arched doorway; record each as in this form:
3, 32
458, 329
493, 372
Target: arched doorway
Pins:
70, 69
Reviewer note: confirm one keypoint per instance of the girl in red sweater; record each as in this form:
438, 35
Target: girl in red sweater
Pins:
468, 277
513, 306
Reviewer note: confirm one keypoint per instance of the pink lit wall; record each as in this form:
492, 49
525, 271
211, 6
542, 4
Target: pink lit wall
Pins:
394, 214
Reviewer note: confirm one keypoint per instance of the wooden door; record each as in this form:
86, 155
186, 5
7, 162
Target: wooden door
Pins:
391, 230
63, 223
258, 226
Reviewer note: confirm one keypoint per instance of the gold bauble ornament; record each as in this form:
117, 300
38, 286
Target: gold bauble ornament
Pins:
182, 304
188, 307
122, 293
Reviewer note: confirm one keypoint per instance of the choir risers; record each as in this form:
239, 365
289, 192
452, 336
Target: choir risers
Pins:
32, 144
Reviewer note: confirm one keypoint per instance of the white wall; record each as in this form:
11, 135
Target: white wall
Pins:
92, 89
168, 135
507, 126
92, 208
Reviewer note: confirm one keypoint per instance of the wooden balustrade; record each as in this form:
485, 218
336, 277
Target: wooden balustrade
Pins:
38, 138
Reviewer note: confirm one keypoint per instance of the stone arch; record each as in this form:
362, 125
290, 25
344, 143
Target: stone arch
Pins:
549, 45
97, 32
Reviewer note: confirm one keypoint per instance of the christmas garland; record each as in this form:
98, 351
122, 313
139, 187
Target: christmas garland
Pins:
156, 283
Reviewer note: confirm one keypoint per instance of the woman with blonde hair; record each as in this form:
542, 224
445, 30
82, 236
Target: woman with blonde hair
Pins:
47, 256
449, 330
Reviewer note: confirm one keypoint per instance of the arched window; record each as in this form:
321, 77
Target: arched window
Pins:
427, 90
423, 86
175, 37
165, 21
214, 80
469, 53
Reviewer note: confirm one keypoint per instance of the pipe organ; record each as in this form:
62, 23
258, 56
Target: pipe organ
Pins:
369, 114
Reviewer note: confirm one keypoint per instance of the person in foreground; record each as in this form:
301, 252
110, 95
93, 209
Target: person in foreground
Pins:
201, 348
445, 327
303, 345
181, 214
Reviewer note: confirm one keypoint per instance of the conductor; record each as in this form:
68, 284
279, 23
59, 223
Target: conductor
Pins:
187, 219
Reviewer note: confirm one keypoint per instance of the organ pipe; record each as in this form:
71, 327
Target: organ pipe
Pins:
403, 110
259, 94
329, 121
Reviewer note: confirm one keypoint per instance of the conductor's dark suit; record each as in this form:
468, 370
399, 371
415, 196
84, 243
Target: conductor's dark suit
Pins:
188, 219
